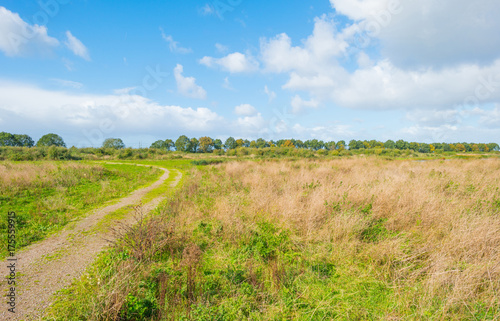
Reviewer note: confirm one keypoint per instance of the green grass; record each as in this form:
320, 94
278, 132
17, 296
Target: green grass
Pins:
265, 272
48, 203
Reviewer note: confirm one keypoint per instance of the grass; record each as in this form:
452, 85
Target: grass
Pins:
48, 195
347, 239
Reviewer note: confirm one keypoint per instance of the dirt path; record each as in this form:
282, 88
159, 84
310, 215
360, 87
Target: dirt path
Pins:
46, 267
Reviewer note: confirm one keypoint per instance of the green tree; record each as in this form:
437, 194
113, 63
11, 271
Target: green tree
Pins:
206, 144
340, 145
230, 143
24, 141
217, 144
114, 143
51, 140
182, 143
493, 146
193, 145
169, 144
401, 144
7, 139
159, 144
390, 144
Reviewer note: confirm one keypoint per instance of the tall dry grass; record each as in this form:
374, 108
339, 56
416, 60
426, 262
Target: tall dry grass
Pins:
440, 220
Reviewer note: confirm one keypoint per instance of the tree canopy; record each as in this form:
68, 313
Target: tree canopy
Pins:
115, 143
51, 140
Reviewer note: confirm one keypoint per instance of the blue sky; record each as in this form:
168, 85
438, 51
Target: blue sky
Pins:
422, 71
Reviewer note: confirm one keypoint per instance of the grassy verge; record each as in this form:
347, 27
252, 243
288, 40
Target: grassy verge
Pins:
48, 195
307, 240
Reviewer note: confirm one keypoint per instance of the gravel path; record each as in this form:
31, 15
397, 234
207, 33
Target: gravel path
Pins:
50, 265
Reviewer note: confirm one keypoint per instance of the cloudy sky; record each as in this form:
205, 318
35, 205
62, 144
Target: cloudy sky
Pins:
426, 70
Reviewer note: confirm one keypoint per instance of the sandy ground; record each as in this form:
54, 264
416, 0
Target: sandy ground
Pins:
52, 264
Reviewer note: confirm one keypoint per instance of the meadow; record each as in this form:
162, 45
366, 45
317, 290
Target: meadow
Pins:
48, 195
361, 238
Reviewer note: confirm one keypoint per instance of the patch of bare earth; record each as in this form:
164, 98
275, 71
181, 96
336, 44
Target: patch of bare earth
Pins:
46, 267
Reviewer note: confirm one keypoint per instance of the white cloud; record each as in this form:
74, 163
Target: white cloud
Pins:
318, 53
76, 46
68, 83
221, 48
187, 85
428, 32
245, 110
18, 38
233, 63
26, 106
174, 45
271, 94
298, 104
326, 133
360, 9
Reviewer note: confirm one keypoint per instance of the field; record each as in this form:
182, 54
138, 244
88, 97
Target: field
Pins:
347, 239
48, 195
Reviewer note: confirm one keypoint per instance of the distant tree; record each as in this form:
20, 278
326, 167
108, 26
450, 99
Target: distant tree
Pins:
390, 144
424, 148
331, 145
340, 145
261, 143
253, 144
217, 144
182, 143
230, 143
493, 146
169, 144
353, 145
206, 144
246, 143
51, 140
114, 143
23, 141
414, 146
6, 139
460, 148
240, 142
287, 143
193, 145
402, 145
159, 144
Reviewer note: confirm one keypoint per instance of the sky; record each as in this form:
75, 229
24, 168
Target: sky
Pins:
425, 71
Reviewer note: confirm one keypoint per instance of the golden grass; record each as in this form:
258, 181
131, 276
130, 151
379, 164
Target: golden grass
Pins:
442, 219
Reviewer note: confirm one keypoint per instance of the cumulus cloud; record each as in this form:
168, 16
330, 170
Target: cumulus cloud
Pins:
76, 46
18, 38
187, 86
318, 53
89, 117
233, 63
245, 110
428, 32
174, 45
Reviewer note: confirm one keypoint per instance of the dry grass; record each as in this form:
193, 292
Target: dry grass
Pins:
346, 239
440, 220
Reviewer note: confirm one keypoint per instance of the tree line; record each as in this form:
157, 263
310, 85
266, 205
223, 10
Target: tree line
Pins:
206, 144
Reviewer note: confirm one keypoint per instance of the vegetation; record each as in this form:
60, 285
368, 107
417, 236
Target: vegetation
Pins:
114, 143
47, 196
344, 239
51, 140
